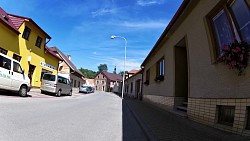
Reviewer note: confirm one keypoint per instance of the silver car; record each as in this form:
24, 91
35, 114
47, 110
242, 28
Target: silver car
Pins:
84, 89
56, 84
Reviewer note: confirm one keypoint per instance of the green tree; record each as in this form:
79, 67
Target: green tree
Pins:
102, 68
88, 73
121, 72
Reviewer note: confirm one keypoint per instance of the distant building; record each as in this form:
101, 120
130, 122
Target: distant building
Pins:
107, 82
133, 84
68, 69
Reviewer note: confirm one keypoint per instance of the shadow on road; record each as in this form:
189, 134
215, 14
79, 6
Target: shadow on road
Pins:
11, 94
131, 130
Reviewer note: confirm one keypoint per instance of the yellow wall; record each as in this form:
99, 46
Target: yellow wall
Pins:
8, 40
28, 48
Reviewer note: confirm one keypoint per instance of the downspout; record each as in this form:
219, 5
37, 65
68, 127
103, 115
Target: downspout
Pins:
142, 67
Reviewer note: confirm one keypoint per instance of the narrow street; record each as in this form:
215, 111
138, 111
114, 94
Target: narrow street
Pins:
96, 117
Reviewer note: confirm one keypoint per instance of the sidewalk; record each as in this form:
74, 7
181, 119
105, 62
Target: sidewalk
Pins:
164, 126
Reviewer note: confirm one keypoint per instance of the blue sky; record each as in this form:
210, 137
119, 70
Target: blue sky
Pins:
82, 28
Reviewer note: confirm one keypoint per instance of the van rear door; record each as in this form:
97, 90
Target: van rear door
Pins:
5, 70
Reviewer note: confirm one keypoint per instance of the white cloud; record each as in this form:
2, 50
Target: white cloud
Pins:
143, 25
119, 63
149, 2
103, 11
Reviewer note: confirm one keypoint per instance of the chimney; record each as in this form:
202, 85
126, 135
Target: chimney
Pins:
69, 56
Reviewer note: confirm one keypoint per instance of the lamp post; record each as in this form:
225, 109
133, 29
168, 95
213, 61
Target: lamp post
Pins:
123, 78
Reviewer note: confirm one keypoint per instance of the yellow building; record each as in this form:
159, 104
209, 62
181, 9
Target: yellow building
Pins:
9, 34
27, 44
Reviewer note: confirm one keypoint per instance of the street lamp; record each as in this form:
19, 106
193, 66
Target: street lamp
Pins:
123, 78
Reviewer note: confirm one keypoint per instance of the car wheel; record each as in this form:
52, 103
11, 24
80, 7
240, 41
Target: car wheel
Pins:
42, 92
58, 94
70, 93
23, 91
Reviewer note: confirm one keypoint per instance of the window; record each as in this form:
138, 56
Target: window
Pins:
78, 83
160, 70
62, 80
5, 63
97, 82
49, 77
226, 115
17, 68
74, 83
3, 51
44, 71
16, 57
248, 118
230, 21
26, 33
131, 87
147, 77
102, 82
38, 41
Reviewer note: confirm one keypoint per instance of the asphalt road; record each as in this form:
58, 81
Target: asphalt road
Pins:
82, 117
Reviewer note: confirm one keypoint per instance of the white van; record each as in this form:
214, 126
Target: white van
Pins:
56, 84
12, 76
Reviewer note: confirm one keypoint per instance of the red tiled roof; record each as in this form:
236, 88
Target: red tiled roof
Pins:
112, 76
66, 60
133, 71
52, 53
5, 19
18, 21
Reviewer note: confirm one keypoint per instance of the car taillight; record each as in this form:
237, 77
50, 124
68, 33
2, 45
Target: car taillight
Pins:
55, 85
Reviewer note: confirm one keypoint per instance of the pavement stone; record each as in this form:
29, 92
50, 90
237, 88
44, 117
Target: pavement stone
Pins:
165, 126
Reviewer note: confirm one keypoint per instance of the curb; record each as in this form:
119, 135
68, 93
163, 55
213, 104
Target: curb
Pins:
150, 135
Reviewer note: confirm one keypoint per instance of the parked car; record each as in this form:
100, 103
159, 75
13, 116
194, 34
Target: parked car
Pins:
84, 89
56, 84
12, 76
92, 90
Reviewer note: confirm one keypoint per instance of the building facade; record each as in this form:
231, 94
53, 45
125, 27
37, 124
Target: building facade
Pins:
107, 82
182, 69
133, 85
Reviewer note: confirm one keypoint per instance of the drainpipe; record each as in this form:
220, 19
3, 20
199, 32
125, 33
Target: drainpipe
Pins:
142, 67
47, 42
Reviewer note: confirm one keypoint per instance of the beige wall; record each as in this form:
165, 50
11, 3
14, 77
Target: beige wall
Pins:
99, 86
206, 79
133, 80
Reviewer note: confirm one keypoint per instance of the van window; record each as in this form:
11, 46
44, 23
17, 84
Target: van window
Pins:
5, 63
49, 77
60, 79
16, 67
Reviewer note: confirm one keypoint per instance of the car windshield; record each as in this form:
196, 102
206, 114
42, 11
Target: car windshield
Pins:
49, 77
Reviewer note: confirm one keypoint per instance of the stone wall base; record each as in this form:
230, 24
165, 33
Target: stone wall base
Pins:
205, 111
163, 102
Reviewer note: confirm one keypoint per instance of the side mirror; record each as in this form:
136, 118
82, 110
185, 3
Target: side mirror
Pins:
22, 72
